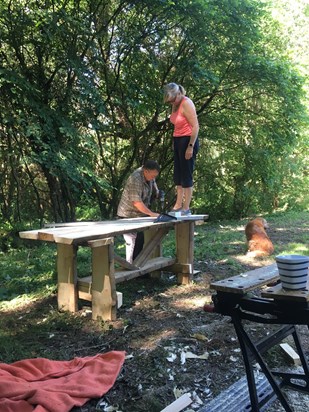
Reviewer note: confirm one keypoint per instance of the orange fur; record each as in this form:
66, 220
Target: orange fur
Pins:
259, 243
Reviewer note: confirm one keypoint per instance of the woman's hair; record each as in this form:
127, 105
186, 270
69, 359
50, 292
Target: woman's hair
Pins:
171, 90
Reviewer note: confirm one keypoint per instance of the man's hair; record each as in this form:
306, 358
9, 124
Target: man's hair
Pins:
151, 165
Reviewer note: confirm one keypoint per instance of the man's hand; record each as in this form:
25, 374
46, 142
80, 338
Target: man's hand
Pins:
141, 207
155, 214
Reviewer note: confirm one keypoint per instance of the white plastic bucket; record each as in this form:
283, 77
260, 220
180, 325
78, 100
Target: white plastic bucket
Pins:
293, 271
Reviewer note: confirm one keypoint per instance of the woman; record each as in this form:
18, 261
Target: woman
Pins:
185, 143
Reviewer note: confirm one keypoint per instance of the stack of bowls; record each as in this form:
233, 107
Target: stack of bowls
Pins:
293, 271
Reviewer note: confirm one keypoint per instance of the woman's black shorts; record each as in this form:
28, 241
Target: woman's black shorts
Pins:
183, 169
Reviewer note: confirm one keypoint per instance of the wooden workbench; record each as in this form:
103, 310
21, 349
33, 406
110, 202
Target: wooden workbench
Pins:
100, 287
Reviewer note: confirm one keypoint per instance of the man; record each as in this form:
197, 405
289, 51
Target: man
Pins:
135, 201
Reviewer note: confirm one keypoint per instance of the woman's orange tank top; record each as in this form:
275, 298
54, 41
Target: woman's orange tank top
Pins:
181, 125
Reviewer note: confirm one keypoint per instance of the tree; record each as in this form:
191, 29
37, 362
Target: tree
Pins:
81, 100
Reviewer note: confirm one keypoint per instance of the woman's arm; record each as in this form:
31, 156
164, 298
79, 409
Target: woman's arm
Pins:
188, 110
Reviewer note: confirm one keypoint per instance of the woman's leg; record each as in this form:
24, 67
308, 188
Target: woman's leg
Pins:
179, 198
188, 196
187, 168
177, 174
183, 172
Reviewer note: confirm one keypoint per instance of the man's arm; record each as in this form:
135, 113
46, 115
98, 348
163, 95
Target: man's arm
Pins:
141, 207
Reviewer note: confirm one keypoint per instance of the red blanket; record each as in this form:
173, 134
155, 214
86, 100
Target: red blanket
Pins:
43, 385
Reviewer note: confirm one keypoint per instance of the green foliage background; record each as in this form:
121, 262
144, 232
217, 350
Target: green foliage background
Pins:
81, 103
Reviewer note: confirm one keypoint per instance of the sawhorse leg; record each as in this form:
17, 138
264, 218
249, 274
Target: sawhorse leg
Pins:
248, 350
289, 379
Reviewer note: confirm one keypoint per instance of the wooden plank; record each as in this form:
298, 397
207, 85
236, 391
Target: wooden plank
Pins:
119, 299
84, 284
184, 250
99, 222
196, 218
103, 289
182, 268
179, 404
124, 263
67, 277
48, 235
79, 233
157, 250
247, 281
84, 295
150, 246
276, 292
30, 234
150, 266
290, 353
97, 232
100, 242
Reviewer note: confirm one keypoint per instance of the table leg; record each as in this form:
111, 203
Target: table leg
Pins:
184, 233
67, 277
104, 297
157, 251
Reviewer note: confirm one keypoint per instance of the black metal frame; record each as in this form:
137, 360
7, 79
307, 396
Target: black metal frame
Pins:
266, 311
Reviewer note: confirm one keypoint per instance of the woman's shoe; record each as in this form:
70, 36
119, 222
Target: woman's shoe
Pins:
177, 210
186, 212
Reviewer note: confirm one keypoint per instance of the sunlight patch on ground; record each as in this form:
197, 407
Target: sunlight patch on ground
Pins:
17, 303
256, 262
196, 302
295, 249
154, 339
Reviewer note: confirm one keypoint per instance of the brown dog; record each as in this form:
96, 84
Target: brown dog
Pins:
259, 243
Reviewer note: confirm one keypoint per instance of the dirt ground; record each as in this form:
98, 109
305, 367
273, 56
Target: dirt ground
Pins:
174, 347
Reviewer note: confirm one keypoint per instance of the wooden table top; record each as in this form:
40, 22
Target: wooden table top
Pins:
278, 293
247, 281
260, 278
79, 232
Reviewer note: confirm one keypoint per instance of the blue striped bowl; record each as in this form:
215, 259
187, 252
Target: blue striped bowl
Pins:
293, 271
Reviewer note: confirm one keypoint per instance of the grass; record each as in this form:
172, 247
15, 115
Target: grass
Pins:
33, 327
